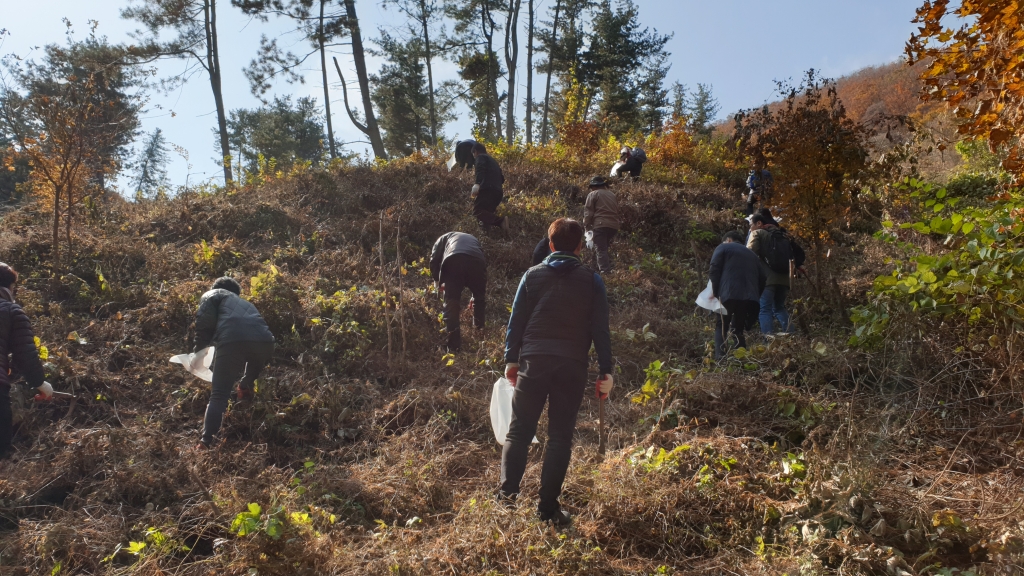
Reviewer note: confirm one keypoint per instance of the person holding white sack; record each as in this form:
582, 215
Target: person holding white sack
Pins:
737, 280
242, 344
601, 220
561, 306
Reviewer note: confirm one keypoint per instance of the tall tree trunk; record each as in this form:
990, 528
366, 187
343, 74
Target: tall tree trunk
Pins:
323, 72
529, 75
511, 61
492, 74
56, 226
213, 65
372, 130
424, 19
547, 87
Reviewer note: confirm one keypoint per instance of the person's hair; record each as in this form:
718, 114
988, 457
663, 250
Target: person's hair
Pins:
7, 276
566, 234
767, 213
734, 235
761, 219
229, 284
479, 148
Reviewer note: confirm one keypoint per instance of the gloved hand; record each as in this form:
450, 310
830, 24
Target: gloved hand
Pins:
512, 373
45, 392
441, 288
475, 192
603, 385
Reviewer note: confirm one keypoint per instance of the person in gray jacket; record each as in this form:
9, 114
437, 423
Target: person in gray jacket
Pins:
737, 280
243, 346
456, 262
601, 215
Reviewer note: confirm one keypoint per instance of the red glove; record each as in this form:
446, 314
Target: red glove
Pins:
512, 373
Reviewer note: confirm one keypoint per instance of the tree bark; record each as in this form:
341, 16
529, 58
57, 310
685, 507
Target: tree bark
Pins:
551, 65
511, 61
424, 19
323, 71
372, 130
492, 74
213, 65
529, 75
56, 226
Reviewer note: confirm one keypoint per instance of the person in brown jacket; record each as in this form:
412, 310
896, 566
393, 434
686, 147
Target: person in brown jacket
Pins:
601, 216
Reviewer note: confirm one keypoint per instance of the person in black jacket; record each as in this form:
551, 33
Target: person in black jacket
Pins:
243, 347
457, 261
737, 280
542, 250
560, 308
487, 193
464, 154
628, 165
17, 349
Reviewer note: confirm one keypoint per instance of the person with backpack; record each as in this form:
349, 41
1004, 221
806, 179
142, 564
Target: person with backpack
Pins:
487, 193
737, 280
560, 308
631, 162
759, 186
243, 345
17, 350
601, 215
457, 261
464, 154
779, 255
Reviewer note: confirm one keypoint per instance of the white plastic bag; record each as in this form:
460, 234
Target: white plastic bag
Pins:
590, 239
451, 162
501, 409
615, 167
197, 364
707, 300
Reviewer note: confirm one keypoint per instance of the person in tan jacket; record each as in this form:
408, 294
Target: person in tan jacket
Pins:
601, 216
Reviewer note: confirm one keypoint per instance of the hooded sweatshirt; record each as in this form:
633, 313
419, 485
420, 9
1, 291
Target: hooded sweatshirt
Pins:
560, 308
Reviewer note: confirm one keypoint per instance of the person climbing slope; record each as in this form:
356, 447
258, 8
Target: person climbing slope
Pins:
457, 261
737, 280
601, 215
487, 193
631, 163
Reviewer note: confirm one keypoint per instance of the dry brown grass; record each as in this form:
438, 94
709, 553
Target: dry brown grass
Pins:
403, 462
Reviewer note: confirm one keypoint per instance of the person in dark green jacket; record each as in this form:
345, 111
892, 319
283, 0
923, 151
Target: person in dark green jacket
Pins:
243, 346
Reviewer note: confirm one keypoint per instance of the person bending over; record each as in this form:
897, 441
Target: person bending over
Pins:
457, 261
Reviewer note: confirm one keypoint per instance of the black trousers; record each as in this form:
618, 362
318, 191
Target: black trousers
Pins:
232, 361
742, 316
463, 271
560, 383
6, 419
484, 207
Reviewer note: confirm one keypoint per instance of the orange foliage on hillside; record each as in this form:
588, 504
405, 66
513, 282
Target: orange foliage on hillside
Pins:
893, 88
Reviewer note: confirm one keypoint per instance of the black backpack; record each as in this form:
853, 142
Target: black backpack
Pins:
779, 251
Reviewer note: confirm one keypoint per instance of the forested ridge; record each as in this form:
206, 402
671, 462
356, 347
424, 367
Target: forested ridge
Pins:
882, 437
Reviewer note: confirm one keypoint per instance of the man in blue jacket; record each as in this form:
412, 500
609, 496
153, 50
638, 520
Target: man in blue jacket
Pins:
560, 308
737, 280
243, 347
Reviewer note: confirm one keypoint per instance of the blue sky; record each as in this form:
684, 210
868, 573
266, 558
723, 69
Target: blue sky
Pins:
739, 47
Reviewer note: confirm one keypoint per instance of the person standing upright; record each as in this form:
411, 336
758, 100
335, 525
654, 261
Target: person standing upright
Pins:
17, 349
560, 308
601, 214
759, 188
456, 262
779, 255
487, 193
736, 280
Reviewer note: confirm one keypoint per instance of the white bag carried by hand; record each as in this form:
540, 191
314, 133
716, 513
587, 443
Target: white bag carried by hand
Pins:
590, 239
451, 162
197, 364
501, 409
707, 300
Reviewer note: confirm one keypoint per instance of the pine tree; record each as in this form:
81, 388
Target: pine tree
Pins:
401, 95
150, 179
280, 130
701, 111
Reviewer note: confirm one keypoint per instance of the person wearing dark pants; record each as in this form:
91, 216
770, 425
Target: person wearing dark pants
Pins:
601, 215
487, 193
243, 347
560, 308
464, 154
17, 350
737, 280
766, 237
457, 261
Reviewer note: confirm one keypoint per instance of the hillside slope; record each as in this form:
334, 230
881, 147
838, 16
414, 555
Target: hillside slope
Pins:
369, 451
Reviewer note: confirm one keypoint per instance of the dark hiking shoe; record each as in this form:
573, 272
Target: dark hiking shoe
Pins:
560, 519
507, 501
